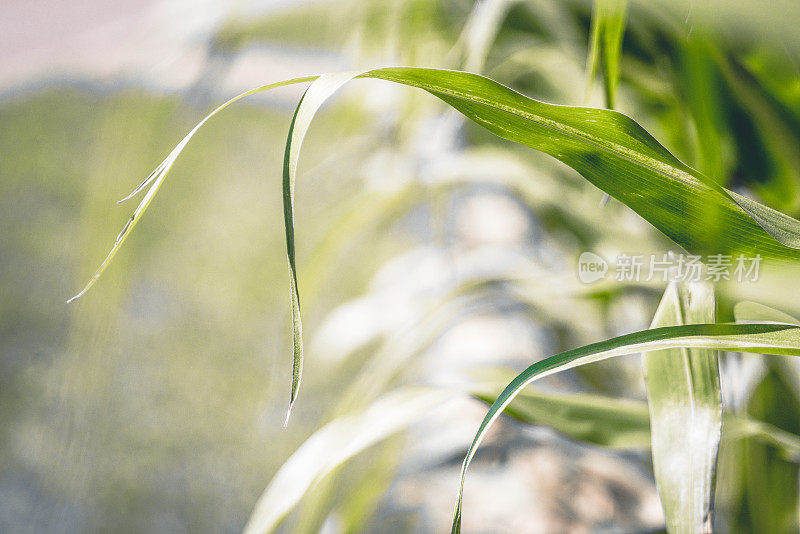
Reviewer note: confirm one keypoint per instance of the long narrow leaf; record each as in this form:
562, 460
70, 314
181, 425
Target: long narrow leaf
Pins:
605, 44
616, 154
620, 423
312, 100
609, 149
753, 311
156, 178
333, 445
595, 419
758, 337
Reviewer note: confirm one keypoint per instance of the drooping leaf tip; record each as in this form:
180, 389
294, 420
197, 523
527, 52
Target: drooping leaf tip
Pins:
82, 292
288, 413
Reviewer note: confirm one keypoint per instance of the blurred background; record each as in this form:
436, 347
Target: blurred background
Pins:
432, 256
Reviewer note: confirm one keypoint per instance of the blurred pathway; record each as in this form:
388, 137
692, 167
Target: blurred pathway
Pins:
158, 44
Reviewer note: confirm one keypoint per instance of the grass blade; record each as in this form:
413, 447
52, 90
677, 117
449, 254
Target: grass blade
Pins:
157, 177
617, 155
758, 337
334, 444
770, 491
309, 104
786, 443
685, 412
753, 311
605, 45
595, 419
621, 423
608, 148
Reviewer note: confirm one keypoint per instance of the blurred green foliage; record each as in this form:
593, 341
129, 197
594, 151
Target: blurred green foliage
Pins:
144, 406
155, 403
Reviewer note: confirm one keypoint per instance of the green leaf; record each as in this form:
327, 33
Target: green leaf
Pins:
605, 44
697, 79
619, 423
758, 337
769, 477
685, 412
334, 444
308, 106
753, 311
608, 148
617, 155
157, 177
770, 500
595, 419
786, 444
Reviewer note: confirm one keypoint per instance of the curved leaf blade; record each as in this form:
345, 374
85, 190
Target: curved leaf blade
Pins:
608, 148
620, 422
621, 158
758, 337
606, 421
753, 311
307, 108
334, 444
156, 178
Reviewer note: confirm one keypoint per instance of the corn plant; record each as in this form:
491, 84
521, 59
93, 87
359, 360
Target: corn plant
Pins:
683, 418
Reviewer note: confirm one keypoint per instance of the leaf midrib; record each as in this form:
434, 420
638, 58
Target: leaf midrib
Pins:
663, 168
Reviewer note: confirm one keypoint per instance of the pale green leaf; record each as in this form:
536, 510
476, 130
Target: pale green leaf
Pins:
312, 100
595, 419
685, 412
617, 422
753, 311
740, 427
605, 45
156, 178
334, 444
